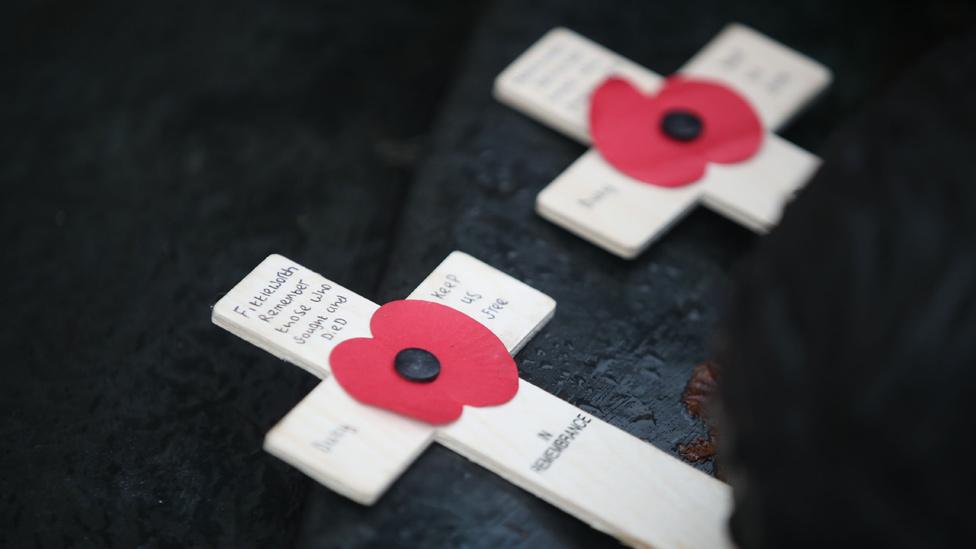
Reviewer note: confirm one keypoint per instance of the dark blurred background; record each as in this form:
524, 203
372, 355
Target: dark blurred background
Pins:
153, 153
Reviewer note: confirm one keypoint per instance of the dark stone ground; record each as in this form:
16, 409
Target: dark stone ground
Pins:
151, 154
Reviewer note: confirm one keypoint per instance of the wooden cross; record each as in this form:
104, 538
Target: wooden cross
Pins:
604, 476
552, 83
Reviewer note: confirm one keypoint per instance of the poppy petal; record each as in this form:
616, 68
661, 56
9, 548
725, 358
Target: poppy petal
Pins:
625, 126
475, 367
364, 368
732, 132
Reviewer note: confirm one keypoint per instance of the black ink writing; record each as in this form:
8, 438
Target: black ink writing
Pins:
450, 282
332, 439
491, 312
561, 442
289, 298
600, 194
259, 299
319, 294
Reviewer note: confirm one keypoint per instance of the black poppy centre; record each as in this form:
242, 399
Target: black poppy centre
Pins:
417, 365
681, 125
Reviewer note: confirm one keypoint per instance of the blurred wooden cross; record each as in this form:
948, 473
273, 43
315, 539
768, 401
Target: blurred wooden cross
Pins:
553, 81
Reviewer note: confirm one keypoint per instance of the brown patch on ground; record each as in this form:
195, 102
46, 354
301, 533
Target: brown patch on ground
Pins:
697, 397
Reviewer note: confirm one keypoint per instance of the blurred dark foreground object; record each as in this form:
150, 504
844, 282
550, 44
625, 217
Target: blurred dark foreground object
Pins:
850, 344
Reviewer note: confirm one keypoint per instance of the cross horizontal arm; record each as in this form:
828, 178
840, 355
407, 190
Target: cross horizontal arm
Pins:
354, 449
754, 193
293, 313
552, 81
298, 315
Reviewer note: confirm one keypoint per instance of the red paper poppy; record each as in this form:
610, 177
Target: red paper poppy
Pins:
667, 139
473, 367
